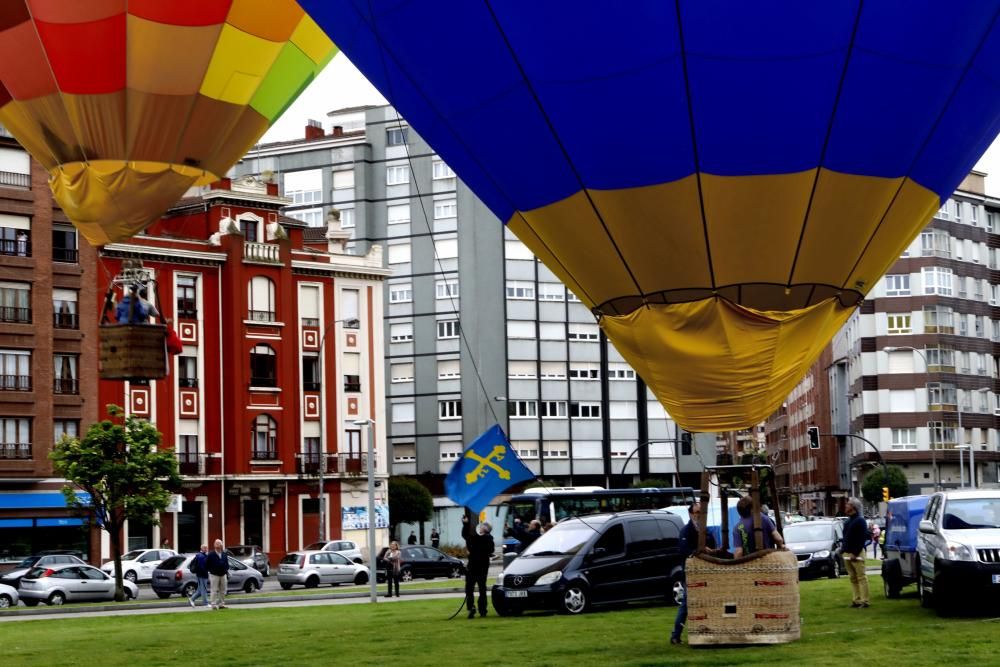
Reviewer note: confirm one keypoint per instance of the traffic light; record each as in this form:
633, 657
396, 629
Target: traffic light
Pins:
813, 432
885, 493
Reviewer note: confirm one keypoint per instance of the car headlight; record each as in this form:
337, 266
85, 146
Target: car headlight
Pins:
825, 553
549, 579
957, 551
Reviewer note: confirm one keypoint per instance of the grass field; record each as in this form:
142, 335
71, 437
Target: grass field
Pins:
890, 632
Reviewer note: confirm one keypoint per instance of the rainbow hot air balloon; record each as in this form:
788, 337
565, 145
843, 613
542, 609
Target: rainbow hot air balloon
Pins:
778, 158
127, 103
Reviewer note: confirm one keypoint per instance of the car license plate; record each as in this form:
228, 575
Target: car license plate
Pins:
802, 563
517, 594
996, 578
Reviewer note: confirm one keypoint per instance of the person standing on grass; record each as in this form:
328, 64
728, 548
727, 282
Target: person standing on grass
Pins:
199, 565
855, 534
393, 567
689, 544
218, 571
480, 545
876, 532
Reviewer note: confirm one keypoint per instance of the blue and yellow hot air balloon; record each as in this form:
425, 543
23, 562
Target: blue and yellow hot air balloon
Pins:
128, 103
720, 181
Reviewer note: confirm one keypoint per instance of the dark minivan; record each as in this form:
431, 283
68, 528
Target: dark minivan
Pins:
593, 560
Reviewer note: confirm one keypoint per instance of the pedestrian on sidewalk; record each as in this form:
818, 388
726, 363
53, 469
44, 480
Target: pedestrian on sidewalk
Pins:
393, 567
855, 535
218, 571
199, 565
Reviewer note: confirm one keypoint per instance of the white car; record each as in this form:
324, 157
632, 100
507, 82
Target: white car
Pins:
346, 548
138, 564
61, 583
8, 596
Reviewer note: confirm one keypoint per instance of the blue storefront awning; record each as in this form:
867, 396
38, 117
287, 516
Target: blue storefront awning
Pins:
15, 523
38, 500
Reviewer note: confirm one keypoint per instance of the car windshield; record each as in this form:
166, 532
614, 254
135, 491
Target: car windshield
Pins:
972, 513
172, 562
29, 561
242, 552
132, 555
808, 532
565, 538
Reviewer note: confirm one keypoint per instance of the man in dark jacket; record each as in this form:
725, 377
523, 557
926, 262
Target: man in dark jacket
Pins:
526, 535
481, 547
689, 544
855, 534
217, 563
199, 565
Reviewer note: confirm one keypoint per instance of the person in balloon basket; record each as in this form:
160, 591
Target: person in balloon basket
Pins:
479, 543
217, 563
744, 539
689, 544
142, 310
855, 535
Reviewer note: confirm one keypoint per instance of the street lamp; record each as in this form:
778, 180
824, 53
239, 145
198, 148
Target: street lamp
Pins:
961, 463
927, 371
370, 423
351, 322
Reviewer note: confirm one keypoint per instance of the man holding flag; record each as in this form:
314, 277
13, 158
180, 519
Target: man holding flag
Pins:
487, 467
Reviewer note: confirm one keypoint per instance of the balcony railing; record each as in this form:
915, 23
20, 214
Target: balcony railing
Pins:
65, 320
312, 386
263, 381
19, 451
187, 382
15, 248
66, 255
187, 313
261, 252
260, 315
66, 386
15, 314
188, 463
263, 455
308, 463
15, 383
12, 179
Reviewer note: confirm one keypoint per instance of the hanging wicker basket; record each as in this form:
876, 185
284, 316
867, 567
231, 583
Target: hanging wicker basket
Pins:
133, 351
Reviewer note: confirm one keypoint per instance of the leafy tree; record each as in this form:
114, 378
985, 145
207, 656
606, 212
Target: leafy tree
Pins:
871, 487
409, 501
653, 483
127, 477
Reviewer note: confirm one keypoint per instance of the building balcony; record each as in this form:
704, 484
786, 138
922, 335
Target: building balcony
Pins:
261, 252
15, 451
333, 464
66, 386
263, 455
66, 255
187, 382
15, 315
63, 320
260, 315
190, 463
15, 383
15, 248
11, 179
187, 312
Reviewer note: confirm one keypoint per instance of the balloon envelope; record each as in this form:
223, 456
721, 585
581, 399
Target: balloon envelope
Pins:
721, 181
127, 103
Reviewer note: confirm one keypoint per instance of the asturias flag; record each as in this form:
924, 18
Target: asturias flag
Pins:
487, 468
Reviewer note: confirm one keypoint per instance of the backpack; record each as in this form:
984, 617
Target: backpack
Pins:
193, 567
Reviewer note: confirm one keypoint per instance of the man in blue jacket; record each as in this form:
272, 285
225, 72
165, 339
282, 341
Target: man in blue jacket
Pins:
689, 544
199, 565
855, 535
218, 570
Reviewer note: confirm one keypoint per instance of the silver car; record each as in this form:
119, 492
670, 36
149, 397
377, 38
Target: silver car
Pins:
174, 577
312, 568
8, 596
345, 548
61, 583
13, 577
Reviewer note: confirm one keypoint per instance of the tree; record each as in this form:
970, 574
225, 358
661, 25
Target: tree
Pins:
409, 501
127, 477
871, 487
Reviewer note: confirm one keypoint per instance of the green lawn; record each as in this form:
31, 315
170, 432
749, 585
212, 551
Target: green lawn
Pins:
418, 633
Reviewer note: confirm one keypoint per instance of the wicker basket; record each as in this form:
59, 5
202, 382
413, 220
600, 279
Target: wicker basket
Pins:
753, 600
133, 351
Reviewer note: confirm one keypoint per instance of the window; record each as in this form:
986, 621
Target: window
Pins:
187, 297
15, 370
402, 412
441, 170
572, 297
622, 410
396, 136
187, 371
449, 409
520, 290
66, 427
555, 449
941, 394
551, 292
551, 331
898, 324
343, 180
249, 230
401, 372
520, 329
311, 376
446, 289
940, 359
521, 369
303, 187
445, 208
15, 438
65, 311
939, 319
897, 285
313, 217
347, 220
584, 410
401, 333
522, 409
401, 293
351, 366
553, 409
398, 214
514, 249
446, 248
583, 332
263, 366
937, 280
449, 369
990, 222
15, 302
262, 305
553, 370
447, 451
399, 253
526, 449
585, 372
66, 380
64, 247
447, 329
397, 175
15, 235
265, 438
620, 371
404, 452
935, 243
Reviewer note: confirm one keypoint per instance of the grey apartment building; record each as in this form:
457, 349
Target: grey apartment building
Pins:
477, 330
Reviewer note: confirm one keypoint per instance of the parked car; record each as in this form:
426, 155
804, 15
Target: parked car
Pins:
816, 545
138, 564
423, 562
174, 576
958, 548
345, 548
70, 583
900, 567
8, 596
13, 577
312, 568
599, 559
252, 556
